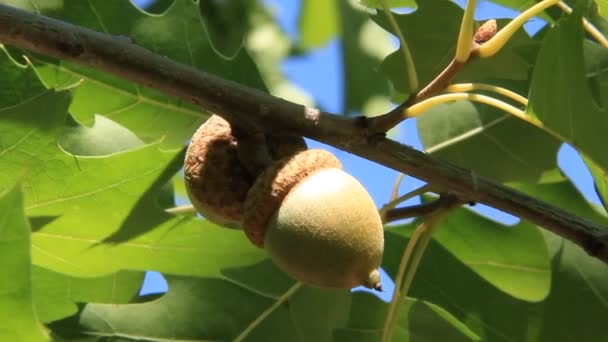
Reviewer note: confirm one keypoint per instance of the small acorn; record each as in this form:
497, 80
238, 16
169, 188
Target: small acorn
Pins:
316, 222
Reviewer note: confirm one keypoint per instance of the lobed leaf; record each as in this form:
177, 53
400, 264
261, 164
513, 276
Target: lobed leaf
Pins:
177, 33
19, 320
513, 259
213, 309
418, 321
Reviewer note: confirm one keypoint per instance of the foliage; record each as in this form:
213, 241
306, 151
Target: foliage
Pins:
88, 161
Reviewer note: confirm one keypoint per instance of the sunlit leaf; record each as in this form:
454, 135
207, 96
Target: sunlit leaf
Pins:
19, 321
177, 34
318, 22
56, 295
390, 3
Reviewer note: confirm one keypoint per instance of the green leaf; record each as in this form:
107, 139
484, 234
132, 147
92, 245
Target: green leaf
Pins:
318, 22
495, 316
431, 33
601, 181
20, 82
602, 6
390, 3
563, 194
487, 141
105, 137
19, 321
226, 23
213, 309
269, 46
55, 295
363, 47
418, 321
486, 247
177, 34
115, 195
562, 100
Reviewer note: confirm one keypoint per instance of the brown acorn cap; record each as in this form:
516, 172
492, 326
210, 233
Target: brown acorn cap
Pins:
275, 183
216, 181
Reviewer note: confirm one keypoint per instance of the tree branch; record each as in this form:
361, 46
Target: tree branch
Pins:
122, 58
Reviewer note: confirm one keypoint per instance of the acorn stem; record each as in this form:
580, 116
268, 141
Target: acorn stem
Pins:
252, 149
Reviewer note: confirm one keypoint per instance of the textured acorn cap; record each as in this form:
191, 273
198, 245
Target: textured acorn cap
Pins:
216, 181
275, 183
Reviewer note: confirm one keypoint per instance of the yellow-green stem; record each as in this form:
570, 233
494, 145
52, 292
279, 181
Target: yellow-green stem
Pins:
186, 209
403, 280
396, 185
499, 40
425, 105
412, 76
393, 307
465, 87
465, 37
592, 30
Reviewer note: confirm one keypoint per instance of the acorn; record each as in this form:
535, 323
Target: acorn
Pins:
317, 222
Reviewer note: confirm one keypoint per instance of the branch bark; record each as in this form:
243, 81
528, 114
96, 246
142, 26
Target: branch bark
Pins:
122, 58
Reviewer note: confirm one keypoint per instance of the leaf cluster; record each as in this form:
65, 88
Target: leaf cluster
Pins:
89, 165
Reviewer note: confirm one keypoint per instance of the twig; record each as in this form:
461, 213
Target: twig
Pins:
395, 201
416, 210
116, 56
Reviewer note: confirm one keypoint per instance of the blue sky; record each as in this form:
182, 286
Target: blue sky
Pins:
305, 72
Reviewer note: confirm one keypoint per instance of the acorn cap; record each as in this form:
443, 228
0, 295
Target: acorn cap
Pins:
275, 183
216, 181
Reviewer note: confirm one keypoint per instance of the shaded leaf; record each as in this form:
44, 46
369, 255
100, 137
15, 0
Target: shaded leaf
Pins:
563, 194
363, 47
487, 141
226, 24
513, 259
601, 182
20, 83
562, 100
495, 316
213, 309
418, 321
19, 321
